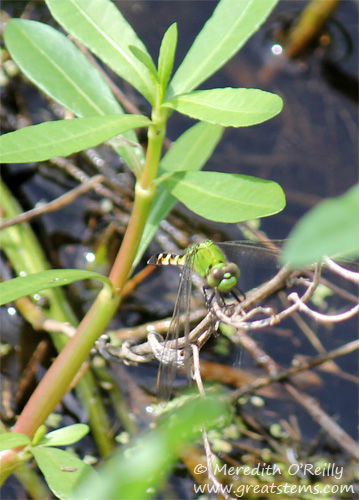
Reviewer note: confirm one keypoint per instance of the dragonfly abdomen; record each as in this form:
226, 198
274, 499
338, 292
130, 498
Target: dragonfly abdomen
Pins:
167, 259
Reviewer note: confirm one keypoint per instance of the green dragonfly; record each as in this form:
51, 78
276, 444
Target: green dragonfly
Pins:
219, 274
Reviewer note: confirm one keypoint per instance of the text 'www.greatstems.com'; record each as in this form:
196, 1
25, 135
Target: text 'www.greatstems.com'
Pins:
244, 490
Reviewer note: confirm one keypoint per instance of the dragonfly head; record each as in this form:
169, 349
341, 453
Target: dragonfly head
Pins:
223, 276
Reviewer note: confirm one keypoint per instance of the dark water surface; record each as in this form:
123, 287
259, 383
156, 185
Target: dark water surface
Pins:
310, 149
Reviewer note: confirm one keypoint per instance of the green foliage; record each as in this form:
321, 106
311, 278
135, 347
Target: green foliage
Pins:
65, 436
147, 61
39, 435
167, 55
65, 75
332, 227
69, 78
32, 283
62, 470
230, 26
141, 469
225, 197
9, 440
228, 107
60, 75
101, 27
64, 137
143, 466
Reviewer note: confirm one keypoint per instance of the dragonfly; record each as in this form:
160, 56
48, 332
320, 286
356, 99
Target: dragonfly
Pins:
219, 274
212, 262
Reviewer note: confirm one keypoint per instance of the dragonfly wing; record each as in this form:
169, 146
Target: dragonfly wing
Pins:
257, 252
268, 254
167, 371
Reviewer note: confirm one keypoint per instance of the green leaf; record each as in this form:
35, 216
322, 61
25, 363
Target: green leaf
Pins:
65, 75
101, 27
190, 152
62, 470
167, 55
139, 471
193, 148
228, 107
39, 434
332, 227
64, 137
230, 26
32, 283
65, 436
9, 440
146, 60
225, 197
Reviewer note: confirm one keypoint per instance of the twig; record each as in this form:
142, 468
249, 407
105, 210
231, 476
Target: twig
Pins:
298, 368
29, 374
207, 447
323, 318
196, 370
344, 273
54, 205
80, 175
238, 320
160, 326
52, 325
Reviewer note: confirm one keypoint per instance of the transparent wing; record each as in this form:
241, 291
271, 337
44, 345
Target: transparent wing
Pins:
267, 254
262, 254
167, 371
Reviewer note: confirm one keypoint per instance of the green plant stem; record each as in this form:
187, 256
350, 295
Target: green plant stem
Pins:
59, 376
57, 379
144, 194
55, 383
24, 252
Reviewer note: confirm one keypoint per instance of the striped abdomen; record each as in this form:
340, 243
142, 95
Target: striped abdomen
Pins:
167, 259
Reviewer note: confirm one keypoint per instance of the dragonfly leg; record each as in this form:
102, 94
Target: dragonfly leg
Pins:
220, 297
223, 303
165, 355
208, 298
235, 295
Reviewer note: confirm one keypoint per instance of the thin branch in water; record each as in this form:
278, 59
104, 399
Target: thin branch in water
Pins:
82, 177
293, 370
52, 206
207, 447
341, 271
322, 318
196, 370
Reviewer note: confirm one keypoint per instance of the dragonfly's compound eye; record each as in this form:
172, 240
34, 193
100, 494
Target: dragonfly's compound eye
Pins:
223, 276
215, 276
232, 269
230, 277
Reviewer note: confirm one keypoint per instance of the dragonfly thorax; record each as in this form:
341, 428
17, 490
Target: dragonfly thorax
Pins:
223, 276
